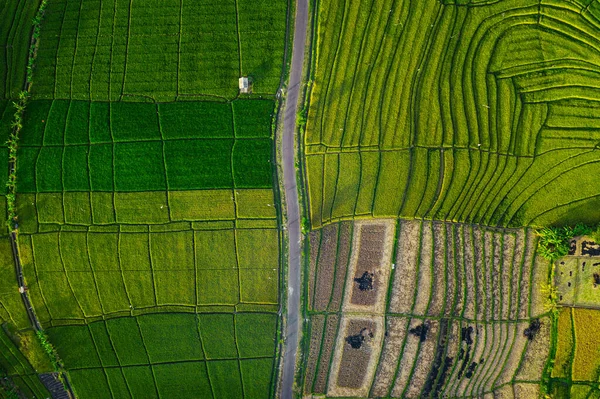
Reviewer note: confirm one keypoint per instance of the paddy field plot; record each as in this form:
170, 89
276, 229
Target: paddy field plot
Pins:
481, 112
162, 51
575, 367
166, 355
456, 303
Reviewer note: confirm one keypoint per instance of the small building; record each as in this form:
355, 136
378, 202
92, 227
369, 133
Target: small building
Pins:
244, 85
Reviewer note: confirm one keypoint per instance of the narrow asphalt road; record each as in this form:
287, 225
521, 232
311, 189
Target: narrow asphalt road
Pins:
291, 194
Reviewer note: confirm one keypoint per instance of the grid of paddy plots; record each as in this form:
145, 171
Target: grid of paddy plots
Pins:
164, 50
110, 228
171, 355
16, 16
125, 147
441, 110
443, 309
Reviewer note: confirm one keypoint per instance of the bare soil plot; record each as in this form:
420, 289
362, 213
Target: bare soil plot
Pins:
525, 287
425, 277
536, 354
356, 354
397, 328
314, 240
509, 268
326, 267
424, 361
465, 243
342, 259
331, 329
441, 293
407, 360
316, 337
371, 254
405, 274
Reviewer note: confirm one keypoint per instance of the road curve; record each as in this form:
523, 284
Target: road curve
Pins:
292, 330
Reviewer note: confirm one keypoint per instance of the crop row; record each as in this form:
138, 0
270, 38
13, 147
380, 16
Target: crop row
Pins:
81, 275
453, 184
43, 211
460, 302
16, 16
171, 355
64, 122
107, 50
469, 122
15, 365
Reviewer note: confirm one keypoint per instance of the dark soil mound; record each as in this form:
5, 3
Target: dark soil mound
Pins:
365, 282
534, 327
420, 331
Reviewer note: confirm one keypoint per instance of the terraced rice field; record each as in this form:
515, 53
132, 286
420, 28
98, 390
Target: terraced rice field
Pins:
449, 306
146, 199
474, 111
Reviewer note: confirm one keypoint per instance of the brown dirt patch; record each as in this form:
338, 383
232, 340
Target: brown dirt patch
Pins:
405, 274
505, 392
372, 246
330, 336
316, 336
482, 338
352, 370
407, 360
509, 266
355, 361
456, 271
497, 276
536, 354
424, 362
516, 275
343, 257
513, 359
524, 291
424, 281
480, 275
439, 291
314, 239
526, 390
488, 282
465, 241
370, 254
326, 266
397, 328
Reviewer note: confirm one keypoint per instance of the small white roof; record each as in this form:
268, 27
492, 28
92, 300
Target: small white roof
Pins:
243, 83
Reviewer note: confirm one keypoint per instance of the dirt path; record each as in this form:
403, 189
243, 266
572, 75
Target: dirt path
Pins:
291, 334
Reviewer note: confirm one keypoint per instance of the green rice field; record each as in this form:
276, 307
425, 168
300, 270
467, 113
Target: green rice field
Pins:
146, 197
477, 111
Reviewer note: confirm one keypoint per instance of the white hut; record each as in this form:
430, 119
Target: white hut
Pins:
244, 85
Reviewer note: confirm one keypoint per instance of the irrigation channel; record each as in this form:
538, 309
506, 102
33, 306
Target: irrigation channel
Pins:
291, 337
